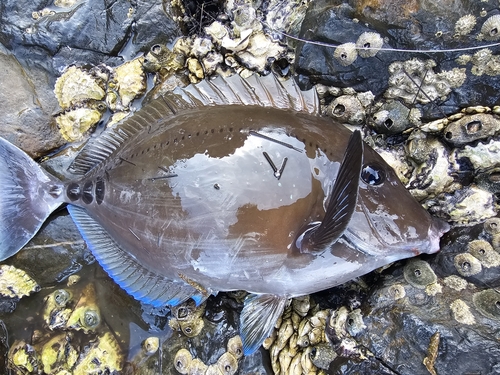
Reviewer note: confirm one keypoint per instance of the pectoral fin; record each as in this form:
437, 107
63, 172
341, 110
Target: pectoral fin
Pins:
258, 319
342, 202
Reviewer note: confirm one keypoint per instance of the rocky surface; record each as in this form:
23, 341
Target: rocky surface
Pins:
405, 27
71, 67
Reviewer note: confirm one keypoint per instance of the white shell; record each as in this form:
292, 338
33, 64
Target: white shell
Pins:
346, 54
491, 28
369, 44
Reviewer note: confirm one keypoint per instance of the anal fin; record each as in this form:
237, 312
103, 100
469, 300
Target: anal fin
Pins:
342, 202
126, 271
258, 318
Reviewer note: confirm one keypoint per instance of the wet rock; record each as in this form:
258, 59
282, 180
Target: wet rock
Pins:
72, 34
55, 253
26, 104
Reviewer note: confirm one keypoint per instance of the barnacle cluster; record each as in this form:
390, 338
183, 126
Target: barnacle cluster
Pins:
367, 45
298, 344
414, 80
483, 62
57, 350
432, 173
236, 42
84, 95
188, 318
226, 364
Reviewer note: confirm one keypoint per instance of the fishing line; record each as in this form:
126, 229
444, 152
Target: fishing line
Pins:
329, 45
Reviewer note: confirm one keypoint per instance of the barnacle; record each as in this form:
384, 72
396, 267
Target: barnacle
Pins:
182, 361
463, 59
151, 345
161, 59
455, 282
195, 70
433, 289
201, 47
354, 322
466, 205
492, 226
322, 355
130, 80
487, 303
483, 251
392, 117
188, 318
22, 356
86, 315
347, 108
465, 24
345, 54
467, 265
415, 80
491, 28
55, 312
197, 367
260, 52
471, 128
369, 44
461, 312
57, 354
227, 364
419, 274
235, 347
431, 176
397, 291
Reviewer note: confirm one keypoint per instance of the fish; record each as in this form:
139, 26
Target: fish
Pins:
228, 184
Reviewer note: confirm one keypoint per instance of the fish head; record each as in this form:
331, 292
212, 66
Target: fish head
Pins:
388, 220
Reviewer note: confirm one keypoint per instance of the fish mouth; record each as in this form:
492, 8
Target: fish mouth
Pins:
437, 229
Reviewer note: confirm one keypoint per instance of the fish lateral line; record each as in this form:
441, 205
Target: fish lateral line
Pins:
288, 145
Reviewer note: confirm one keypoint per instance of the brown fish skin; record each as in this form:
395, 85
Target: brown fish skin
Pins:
197, 197
225, 185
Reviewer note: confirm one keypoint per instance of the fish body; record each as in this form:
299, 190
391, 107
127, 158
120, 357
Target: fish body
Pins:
228, 185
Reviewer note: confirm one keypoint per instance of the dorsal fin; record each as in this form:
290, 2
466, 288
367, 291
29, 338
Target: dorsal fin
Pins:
265, 91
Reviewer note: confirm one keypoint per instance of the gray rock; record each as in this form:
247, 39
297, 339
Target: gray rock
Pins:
26, 104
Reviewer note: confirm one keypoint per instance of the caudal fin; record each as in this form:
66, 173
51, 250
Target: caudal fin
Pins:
28, 195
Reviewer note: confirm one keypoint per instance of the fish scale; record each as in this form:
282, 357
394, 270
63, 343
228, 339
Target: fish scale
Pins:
225, 185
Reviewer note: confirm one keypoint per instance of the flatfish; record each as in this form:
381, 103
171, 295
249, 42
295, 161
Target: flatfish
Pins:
229, 184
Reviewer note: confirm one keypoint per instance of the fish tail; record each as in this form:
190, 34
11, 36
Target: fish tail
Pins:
28, 195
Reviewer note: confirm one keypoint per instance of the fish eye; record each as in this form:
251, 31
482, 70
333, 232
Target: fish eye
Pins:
373, 174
